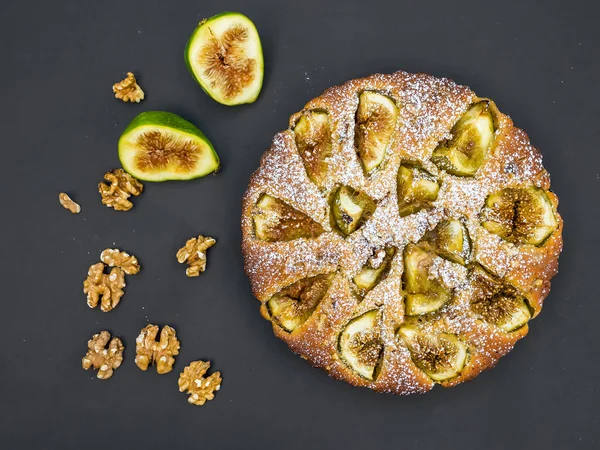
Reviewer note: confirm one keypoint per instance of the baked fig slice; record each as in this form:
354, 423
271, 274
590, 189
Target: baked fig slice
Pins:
440, 355
293, 305
275, 220
464, 153
374, 270
417, 189
313, 141
160, 146
376, 118
450, 240
224, 55
423, 292
351, 209
504, 311
360, 344
520, 215
498, 303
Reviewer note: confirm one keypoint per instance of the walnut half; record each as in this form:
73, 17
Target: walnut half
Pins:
102, 358
68, 203
104, 288
194, 253
120, 187
201, 389
128, 90
149, 351
114, 257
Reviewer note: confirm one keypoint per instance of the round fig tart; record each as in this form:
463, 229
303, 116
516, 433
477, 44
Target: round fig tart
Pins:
401, 233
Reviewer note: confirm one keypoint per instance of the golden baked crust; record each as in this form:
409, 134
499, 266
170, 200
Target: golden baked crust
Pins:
428, 108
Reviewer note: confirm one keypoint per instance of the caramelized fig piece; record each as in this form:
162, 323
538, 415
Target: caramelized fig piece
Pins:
497, 302
351, 209
450, 240
293, 305
417, 189
520, 215
441, 356
361, 346
374, 270
424, 293
275, 220
471, 138
376, 118
313, 140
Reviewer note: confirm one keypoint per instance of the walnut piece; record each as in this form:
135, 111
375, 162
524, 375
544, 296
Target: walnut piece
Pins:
102, 358
109, 287
68, 203
120, 187
128, 90
194, 253
200, 389
114, 257
149, 351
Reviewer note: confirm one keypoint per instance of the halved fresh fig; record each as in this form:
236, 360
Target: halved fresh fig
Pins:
424, 294
417, 189
224, 55
360, 344
497, 302
275, 220
160, 146
313, 141
293, 305
376, 118
441, 355
351, 209
520, 215
464, 153
374, 270
450, 240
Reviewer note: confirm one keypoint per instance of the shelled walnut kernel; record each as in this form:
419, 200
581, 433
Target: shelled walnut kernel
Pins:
106, 288
114, 257
102, 358
68, 203
128, 90
194, 253
120, 187
149, 351
201, 389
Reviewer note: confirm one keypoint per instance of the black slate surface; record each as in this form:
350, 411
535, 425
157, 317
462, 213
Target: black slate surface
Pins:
60, 124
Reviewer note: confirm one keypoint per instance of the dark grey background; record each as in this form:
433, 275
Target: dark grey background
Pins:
60, 124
